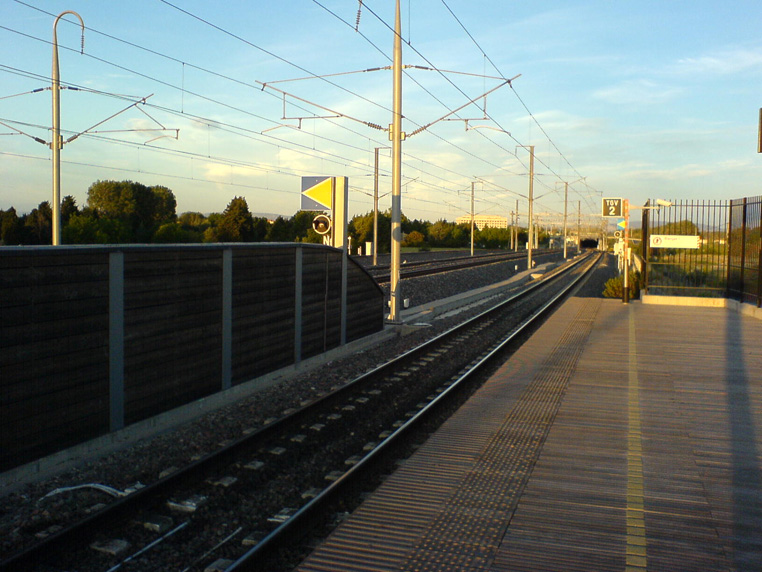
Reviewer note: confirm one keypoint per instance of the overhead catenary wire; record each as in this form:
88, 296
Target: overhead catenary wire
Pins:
502, 75
281, 141
222, 30
149, 77
174, 59
457, 88
486, 56
201, 120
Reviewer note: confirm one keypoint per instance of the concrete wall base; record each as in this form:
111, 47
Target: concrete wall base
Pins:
68, 458
733, 305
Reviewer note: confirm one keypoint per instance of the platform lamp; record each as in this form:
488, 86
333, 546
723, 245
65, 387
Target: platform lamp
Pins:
56, 142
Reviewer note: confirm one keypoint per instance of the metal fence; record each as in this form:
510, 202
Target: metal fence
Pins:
744, 282
728, 260
701, 271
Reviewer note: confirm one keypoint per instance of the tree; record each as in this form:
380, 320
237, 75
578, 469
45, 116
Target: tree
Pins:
163, 203
312, 237
68, 209
143, 208
112, 199
490, 237
421, 226
301, 224
193, 225
10, 227
280, 231
440, 233
39, 224
261, 227
236, 224
460, 236
414, 238
193, 220
174, 232
361, 230
683, 227
89, 228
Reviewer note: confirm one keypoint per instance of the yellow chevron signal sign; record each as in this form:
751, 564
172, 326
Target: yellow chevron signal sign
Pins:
317, 193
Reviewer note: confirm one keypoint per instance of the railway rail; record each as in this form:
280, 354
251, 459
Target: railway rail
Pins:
429, 267
247, 501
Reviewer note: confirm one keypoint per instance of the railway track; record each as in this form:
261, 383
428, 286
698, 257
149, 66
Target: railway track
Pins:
247, 501
429, 267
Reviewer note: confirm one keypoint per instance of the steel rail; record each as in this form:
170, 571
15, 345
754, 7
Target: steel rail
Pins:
282, 536
442, 266
383, 268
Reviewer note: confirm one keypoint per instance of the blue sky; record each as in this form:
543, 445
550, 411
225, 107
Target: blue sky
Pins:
642, 99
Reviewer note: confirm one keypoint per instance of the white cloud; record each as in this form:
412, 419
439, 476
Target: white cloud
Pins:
556, 121
735, 164
290, 160
679, 173
724, 62
225, 173
638, 92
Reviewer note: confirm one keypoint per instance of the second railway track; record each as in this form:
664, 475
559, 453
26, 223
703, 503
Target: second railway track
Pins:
240, 503
419, 268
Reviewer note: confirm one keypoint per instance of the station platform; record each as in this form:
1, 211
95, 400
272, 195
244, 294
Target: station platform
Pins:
620, 437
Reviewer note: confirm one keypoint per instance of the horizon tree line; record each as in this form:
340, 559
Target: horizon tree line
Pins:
127, 212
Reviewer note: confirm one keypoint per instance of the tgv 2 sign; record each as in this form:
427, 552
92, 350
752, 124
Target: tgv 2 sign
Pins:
612, 207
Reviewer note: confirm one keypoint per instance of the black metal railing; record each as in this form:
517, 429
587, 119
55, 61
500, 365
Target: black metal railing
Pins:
697, 271
744, 280
727, 261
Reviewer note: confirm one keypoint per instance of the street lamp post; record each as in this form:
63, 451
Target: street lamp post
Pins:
626, 251
57, 142
626, 247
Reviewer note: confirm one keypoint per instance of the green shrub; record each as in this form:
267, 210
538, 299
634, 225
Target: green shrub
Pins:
615, 286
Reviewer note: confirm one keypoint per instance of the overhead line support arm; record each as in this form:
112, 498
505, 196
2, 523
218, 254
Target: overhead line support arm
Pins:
471, 101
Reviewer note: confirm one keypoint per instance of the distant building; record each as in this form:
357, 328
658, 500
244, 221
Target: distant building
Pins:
484, 221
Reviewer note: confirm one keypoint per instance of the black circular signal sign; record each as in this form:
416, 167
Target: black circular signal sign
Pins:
321, 224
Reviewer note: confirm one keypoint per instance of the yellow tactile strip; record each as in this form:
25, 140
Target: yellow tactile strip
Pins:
617, 486
636, 559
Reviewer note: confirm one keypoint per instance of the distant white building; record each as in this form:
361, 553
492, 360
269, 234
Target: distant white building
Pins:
484, 221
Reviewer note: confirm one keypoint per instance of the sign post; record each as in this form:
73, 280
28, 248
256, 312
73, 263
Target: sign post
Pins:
328, 194
626, 251
620, 208
331, 194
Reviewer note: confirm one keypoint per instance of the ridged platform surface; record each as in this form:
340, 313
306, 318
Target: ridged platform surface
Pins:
620, 437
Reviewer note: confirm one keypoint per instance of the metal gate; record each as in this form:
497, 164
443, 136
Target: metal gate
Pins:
701, 271
744, 281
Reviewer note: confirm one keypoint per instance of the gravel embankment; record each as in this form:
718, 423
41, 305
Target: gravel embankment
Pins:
23, 515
